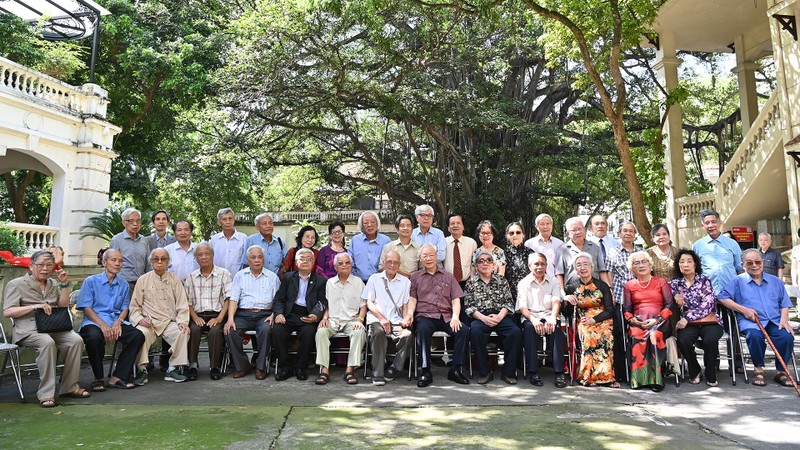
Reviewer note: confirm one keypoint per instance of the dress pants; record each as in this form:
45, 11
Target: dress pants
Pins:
424, 327
555, 342
379, 341
247, 321
49, 345
178, 340
305, 332
783, 341
512, 339
216, 339
710, 335
357, 340
131, 340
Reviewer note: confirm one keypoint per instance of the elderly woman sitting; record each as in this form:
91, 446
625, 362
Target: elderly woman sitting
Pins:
37, 290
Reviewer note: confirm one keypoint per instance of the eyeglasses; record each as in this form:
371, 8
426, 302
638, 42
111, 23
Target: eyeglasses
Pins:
159, 258
514, 233
485, 260
753, 263
640, 262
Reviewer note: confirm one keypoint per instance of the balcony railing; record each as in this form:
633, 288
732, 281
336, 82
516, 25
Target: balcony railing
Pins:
37, 237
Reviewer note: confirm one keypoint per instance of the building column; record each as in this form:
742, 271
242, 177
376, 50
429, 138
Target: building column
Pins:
746, 73
666, 68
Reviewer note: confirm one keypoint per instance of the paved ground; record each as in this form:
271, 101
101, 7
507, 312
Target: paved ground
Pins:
247, 413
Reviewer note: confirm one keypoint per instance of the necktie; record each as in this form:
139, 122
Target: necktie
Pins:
457, 272
602, 249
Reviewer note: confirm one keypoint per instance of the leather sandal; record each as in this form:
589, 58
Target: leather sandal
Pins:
323, 378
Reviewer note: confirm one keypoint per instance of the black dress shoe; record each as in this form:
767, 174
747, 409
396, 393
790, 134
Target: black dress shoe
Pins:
425, 379
535, 379
282, 375
458, 377
300, 374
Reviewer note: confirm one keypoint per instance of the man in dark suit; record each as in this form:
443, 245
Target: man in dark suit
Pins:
298, 306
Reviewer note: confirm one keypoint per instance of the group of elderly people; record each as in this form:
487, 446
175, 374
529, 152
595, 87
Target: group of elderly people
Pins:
377, 291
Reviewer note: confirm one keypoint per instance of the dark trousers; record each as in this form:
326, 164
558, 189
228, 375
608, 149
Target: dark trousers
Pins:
710, 335
249, 321
620, 354
216, 339
757, 345
424, 327
131, 340
554, 341
512, 340
305, 333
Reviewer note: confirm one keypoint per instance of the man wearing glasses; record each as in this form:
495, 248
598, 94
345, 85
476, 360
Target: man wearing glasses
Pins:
425, 233
134, 247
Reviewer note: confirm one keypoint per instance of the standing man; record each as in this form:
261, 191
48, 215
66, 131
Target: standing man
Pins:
386, 294
159, 238
720, 256
600, 236
404, 246
228, 244
545, 243
250, 309
182, 260
274, 249
773, 261
134, 247
435, 305
459, 249
756, 295
159, 308
208, 289
425, 233
565, 264
489, 303
104, 301
298, 306
366, 248
346, 313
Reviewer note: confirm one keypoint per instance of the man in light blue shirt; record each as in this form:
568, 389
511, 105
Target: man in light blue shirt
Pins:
756, 295
366, 248
274, 249
425, 233
720, 256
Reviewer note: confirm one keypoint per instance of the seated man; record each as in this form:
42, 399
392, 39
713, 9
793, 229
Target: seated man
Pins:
104, 301
345, 314
250, 309
489, 303
298, 306
208, 289
756, 295
539, 302
386, 295
159, 308
435, 297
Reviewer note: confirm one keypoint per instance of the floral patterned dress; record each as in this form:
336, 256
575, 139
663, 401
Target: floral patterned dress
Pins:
648, 349
597, 340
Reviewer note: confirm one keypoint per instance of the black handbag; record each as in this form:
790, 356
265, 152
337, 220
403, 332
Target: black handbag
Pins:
58, 320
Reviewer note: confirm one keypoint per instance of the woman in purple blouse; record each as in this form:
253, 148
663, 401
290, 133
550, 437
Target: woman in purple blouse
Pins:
327, 253
695, 296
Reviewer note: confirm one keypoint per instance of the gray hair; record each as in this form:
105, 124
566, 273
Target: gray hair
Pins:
107, 253
422, 208
129, 212
339, 256
262, 216
361, 220
301, 252
224, 211
253, 247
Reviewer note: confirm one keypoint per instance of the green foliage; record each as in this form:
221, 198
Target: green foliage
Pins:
11, 242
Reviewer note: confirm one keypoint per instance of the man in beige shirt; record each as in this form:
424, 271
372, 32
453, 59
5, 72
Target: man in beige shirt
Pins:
159, 307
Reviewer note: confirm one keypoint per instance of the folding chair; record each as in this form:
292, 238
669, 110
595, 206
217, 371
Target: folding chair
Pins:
11, 353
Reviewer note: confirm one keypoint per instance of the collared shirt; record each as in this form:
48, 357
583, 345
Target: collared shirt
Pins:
566, 260
409, 255
772, 261
434, 236
466, 247
135, 255
366, 254
162, 299
252, 291
208, 293
391, 306
721, 259
181, 261
548, 249
766, 298
302, 290
228, 252
618, 266
538, 297
492, 296
344, 299
107, 299
154, 242
274, 251
435, 293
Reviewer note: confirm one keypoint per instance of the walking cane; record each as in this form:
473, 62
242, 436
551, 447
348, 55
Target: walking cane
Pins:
777, 354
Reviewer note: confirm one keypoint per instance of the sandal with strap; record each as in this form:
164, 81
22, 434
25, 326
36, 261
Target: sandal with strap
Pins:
782, 378
758, 379
323, 378
80, 393
48, 403
350, 378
